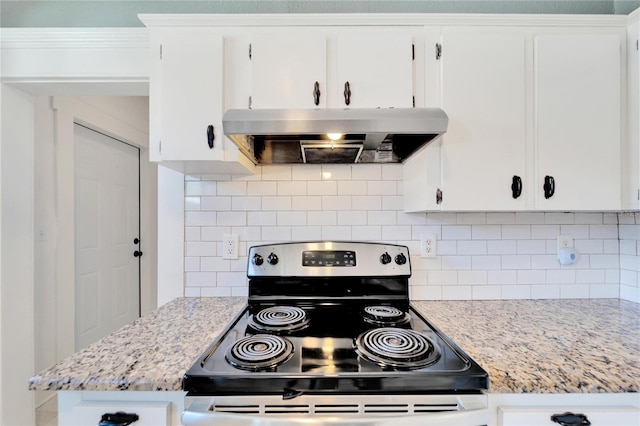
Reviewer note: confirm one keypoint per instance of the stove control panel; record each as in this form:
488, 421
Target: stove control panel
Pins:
329, 259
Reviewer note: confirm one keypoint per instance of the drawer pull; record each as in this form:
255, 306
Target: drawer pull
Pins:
570, 419
119, 418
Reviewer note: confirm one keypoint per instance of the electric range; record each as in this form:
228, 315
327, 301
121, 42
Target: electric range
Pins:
325, 322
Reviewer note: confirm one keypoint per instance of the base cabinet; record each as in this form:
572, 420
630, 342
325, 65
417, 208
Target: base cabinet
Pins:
538, 409
86, 408
525, 416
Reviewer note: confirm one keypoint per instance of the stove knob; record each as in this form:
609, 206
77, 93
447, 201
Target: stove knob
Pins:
272, 259
401, 259
385, 258
257, 259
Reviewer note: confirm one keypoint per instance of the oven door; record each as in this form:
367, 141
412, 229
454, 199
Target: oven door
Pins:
361, 410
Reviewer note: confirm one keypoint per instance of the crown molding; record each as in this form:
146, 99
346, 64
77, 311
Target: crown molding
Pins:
74, 38
379, 19
634, 16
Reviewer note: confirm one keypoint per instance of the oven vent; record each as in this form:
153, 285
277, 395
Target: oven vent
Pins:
237, 409
407, 408
335, 408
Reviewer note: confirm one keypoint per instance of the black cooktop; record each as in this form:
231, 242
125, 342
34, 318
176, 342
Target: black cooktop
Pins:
325, 359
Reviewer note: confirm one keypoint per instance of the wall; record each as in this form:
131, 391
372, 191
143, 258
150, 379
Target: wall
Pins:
480, 255
630, 256
16, 280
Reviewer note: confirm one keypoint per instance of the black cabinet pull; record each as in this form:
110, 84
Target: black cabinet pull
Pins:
438, 196
549, 186
516, 186
347, 93
570, 419
118, 419
137, 253
210, 136
316, 93
136, 241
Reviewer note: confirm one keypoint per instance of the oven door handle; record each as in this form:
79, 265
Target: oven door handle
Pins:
468, 417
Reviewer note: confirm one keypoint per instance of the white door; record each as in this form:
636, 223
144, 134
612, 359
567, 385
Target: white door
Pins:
285, 68
483, 93
374, 70
107, 277
577, 120
188, 83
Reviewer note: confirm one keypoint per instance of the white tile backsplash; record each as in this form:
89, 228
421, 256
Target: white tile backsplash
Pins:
492, 255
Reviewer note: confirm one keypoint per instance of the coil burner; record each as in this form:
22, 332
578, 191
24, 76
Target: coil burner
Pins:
283, 319
397, 348
259, 352
385, 315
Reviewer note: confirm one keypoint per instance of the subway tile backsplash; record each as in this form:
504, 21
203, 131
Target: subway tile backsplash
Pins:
481, 255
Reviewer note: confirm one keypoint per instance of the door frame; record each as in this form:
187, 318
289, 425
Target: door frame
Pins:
67, 112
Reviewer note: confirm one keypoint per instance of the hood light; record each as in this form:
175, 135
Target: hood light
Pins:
334, 136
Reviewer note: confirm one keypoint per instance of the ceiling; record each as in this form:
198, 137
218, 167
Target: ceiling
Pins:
120, 13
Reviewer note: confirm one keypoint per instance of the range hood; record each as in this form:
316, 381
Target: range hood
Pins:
331, 136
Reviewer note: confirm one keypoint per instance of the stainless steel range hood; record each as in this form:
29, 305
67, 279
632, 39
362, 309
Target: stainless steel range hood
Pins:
271, 136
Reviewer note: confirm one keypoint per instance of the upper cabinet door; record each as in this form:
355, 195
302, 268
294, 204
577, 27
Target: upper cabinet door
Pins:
483, 86
374, 70
186, 96
289, 70
577, 121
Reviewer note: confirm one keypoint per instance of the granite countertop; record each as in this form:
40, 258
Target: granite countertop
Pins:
527, 346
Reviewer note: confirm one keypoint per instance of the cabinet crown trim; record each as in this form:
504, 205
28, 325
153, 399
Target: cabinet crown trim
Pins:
74, 38
378, 19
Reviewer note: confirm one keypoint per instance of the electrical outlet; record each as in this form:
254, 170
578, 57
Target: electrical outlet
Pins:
428, 245
564, 241
230, 244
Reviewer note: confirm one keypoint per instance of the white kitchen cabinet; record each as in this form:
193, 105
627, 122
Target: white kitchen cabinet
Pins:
375, 69
186, 102
355, 70
604, 416
286, 69
84, 408
631, 150
577, 116
526, 109
483, 85
607, 409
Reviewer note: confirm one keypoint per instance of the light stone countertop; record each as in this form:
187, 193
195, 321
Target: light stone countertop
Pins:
527, 346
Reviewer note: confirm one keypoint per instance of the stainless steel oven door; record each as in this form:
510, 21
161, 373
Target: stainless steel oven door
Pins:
360, 410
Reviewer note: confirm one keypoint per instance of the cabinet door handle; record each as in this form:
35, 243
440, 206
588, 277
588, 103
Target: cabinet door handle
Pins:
549, 186
438, 196
570, 419
516, 186
347, 93
210, 136
316, 93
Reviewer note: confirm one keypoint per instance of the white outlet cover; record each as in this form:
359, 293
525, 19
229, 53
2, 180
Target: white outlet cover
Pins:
230, 244
428, 245
564, 241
